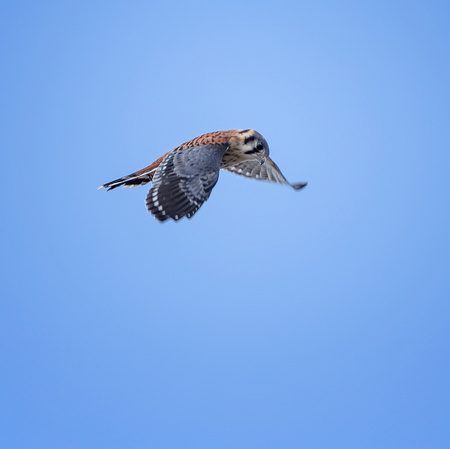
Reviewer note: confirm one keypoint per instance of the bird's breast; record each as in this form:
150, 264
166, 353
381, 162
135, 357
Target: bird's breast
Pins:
233, 156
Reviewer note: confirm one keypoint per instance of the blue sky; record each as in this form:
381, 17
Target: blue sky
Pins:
273, 318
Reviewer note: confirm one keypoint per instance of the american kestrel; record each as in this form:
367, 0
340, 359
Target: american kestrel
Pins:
183, 178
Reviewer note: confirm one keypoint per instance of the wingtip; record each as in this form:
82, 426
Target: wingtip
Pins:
100, 187
299, 186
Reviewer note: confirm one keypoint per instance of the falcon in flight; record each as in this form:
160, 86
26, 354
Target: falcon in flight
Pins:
183, 178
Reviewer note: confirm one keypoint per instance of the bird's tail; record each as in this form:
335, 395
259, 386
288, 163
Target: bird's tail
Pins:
138, 178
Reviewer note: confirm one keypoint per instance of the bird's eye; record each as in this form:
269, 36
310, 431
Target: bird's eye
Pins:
259, 146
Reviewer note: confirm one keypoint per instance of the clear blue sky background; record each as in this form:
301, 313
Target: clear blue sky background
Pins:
273, 318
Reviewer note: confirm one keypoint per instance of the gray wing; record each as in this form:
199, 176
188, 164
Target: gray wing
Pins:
268, 171
183, 181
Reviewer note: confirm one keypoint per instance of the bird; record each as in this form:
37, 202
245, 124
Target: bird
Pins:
183, 178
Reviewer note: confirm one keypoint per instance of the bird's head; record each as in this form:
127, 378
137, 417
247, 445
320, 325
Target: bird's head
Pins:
253, 145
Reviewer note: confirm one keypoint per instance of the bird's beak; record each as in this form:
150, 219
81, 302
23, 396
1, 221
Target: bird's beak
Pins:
262, 158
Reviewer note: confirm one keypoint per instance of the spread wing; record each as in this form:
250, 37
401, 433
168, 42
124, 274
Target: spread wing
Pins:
268, 171
183, 181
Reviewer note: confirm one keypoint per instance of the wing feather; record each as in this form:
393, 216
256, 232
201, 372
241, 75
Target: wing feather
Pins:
184, 181
267, 171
